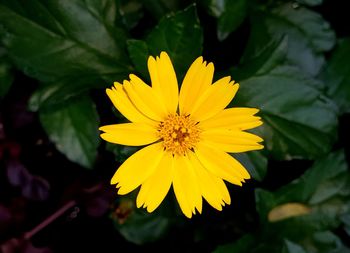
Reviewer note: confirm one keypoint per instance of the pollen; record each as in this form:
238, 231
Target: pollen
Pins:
179, 133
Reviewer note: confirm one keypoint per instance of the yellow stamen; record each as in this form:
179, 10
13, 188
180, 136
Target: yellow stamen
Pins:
179, 134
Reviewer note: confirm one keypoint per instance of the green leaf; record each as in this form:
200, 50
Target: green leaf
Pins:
71, 41
324, 188
74, 130
291, 247
254, 162
138, 52
231, 17
337, 75
161, 7
242, 245
299, 121
309, 35
6, 77
180, 35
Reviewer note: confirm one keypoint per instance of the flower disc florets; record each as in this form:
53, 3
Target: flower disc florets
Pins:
179, 133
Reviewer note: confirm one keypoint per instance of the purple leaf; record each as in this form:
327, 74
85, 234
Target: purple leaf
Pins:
37, 189
33, 187
5, 214
17, 174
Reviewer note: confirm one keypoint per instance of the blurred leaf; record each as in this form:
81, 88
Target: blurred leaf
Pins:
291, 247
309, 35
74, 130
232, 16
70, 40
337, 75
346, 220
254, 162
6, 77
298, 120
180, 35
311, 2
17, 174
138, 226
37, 189
130, 11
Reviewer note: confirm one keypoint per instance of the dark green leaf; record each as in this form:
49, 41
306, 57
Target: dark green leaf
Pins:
180, 35
58, 93
139, 226
121, 152
298, 120
70, 41
242, 245
161, 7
337, 75
74, 130
255, 163
232, 16
6, 76
309, 35
138, 51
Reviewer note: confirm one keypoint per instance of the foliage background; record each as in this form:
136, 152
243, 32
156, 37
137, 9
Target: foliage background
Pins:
292, 60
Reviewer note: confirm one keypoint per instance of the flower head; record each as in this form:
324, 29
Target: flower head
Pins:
188, 136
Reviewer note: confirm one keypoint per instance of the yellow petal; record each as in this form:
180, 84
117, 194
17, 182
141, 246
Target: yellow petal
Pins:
233, 118
144, 99
164, 81
123, 104
232, 141
185, 184
221, 164
130, 134
207, 183
214, 99
197, 80
137, 168
223, 190
156, 187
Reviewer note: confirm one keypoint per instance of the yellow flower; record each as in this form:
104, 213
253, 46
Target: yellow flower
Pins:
189, 135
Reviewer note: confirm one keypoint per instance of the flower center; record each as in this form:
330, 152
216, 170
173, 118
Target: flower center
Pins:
179, 133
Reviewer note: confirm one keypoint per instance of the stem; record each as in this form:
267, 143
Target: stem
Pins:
49, 219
